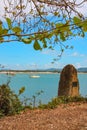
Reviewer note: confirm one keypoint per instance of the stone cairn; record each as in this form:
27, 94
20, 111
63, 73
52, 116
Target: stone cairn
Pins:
68, 84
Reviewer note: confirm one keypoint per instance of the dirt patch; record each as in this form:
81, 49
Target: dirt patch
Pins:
65, 117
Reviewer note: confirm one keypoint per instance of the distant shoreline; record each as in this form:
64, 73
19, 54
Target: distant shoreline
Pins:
34, 72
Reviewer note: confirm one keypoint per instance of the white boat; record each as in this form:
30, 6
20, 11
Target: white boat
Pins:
11, 73
34, 76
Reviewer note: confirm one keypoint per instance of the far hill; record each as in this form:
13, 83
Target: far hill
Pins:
82, 69
53, 70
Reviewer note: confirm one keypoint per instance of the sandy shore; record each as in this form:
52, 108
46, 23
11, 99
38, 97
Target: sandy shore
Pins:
42, 72
14, 72
65, 117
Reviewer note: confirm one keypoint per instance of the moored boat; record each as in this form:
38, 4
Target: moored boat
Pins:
34, 76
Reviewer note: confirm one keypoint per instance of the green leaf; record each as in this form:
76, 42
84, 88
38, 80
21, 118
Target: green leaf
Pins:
77, 21
0, 22
26, 40
5, 31
50, 47
8, 20
85, 28
1, 40
62, 50
84, 25
62, 37
21, 90
36, 45
44, 43
58, 25
56, 13
50, 35
16, 29
1, 29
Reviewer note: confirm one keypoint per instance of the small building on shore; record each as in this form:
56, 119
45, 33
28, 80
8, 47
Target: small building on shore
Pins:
68, 83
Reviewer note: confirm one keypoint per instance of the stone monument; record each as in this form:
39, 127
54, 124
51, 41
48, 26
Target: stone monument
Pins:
68, 84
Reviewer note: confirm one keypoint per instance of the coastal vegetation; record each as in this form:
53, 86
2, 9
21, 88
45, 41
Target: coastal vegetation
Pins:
62, 100
9, 101
11, 104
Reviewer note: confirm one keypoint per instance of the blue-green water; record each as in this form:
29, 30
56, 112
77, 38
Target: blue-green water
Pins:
47, 82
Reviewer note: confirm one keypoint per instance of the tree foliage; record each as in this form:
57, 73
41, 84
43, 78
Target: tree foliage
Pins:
44, 23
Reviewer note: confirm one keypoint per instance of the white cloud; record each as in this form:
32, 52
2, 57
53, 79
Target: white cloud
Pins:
49, 52
83, 8
17, 65
78, 65
55, 65
31, 66
76, 54
1, 8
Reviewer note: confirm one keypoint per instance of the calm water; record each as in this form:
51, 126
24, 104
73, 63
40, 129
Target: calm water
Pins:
47, 82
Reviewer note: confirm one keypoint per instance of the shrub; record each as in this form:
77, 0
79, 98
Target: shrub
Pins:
62, 100
9, 101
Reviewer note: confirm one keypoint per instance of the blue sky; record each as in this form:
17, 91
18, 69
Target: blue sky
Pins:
17, 55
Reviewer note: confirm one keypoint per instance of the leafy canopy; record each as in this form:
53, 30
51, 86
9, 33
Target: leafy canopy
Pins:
42, 23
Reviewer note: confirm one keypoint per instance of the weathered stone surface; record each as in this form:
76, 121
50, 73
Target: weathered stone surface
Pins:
68, 84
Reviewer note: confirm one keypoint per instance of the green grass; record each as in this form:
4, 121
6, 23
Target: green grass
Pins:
62, 100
